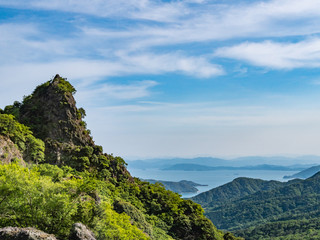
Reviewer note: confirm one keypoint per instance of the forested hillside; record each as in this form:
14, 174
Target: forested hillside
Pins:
284, 230
53, 175
231, 191
257, 209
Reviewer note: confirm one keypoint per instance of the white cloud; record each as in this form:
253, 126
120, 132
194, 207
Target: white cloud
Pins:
105, 93
185, 21
32, 45
26, 42
28, 75
137, 9
303, 54
123, 65
172, 62
207, 22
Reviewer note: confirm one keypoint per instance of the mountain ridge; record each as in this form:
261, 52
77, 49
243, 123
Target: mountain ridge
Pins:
294, 199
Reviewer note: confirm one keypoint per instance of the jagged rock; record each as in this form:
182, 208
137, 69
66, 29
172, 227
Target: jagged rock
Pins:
80, 232
15, 233
8, 151
51, 113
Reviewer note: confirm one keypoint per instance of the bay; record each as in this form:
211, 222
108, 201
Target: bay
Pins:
211, 178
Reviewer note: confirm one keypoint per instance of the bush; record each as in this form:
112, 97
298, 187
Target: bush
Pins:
31, 147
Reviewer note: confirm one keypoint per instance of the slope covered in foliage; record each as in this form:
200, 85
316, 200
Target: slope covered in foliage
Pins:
238, 188
257, 209
68, 179
284, 230
298, 199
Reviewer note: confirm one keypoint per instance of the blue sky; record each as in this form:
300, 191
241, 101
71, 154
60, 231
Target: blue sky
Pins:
174, 78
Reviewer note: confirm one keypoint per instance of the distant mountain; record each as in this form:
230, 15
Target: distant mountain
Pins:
159, 163
238, 188
305, 173
277, 160
198, 167
189, 167
182, 186
297, 199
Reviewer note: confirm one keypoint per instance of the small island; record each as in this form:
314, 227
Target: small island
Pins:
182, 186
306, 173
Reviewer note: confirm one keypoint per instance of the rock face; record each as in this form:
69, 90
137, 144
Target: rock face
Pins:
14, 233
51, 113
8, 151
81, 232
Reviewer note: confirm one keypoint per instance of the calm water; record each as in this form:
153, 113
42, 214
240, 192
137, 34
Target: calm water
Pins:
211, 178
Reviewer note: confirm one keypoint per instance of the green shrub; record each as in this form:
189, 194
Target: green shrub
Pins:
31, 147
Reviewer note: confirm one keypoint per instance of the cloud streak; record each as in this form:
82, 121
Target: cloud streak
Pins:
303, 54
198, 21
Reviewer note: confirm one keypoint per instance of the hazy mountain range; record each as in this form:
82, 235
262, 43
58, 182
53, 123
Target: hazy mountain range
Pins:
299, 163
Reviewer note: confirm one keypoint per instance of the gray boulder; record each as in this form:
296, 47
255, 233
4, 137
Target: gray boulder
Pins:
80, 232
15, 233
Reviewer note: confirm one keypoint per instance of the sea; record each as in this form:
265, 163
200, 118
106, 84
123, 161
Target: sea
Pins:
211, 178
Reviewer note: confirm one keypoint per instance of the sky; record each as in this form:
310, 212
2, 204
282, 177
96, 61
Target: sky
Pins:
181, 78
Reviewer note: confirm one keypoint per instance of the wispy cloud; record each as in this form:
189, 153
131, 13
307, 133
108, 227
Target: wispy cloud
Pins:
100, 94
303, 54
138, 9
185, 21
131, 50
21, 42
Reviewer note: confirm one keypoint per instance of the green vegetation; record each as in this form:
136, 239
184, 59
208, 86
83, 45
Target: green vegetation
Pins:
65, 86
284, 230
297, 199
260, 209
52, 199
69, 179
13, 109
52, 205
31, 147
238, 188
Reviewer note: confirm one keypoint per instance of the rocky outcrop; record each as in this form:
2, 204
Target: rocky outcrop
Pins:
51, 113
15, 233
81, 232
9, 152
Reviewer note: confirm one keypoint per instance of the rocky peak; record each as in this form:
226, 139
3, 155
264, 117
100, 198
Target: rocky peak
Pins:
51, 112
